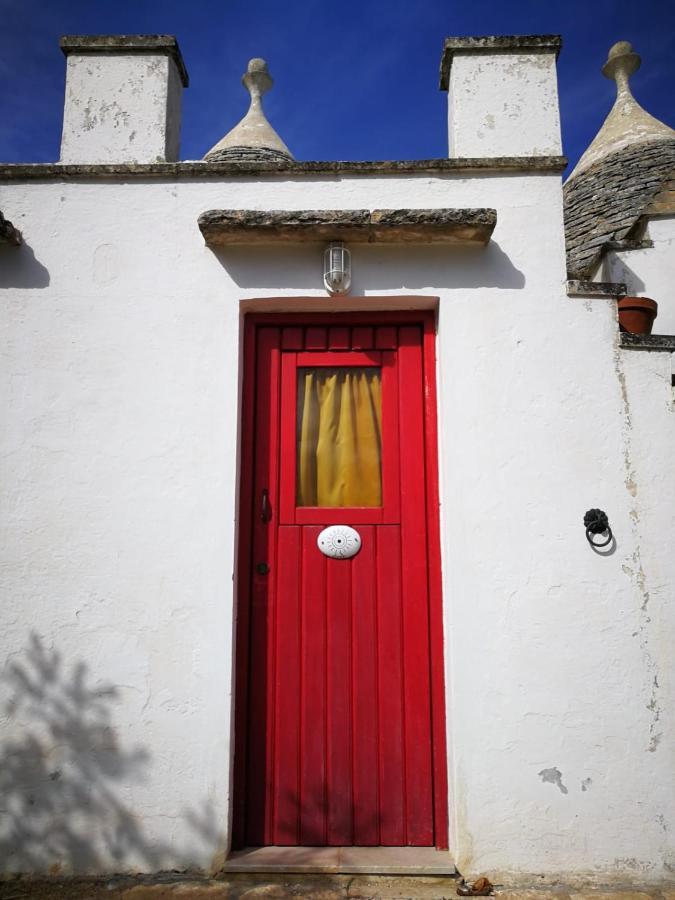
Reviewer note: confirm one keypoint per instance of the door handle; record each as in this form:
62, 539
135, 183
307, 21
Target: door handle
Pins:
265, 505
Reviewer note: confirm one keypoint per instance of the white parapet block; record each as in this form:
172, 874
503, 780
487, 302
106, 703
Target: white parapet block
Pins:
502, 95
123, 98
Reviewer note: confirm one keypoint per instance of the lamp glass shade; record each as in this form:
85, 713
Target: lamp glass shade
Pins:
337, 268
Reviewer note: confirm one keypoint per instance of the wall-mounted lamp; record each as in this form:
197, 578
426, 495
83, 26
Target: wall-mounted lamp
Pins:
337, 268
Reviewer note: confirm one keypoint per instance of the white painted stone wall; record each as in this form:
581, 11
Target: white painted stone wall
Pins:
121, 108
503, 104
119, 464
649, 272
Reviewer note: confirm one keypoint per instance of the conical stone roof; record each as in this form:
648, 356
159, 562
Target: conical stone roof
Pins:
628, 163
253, 138
628, 123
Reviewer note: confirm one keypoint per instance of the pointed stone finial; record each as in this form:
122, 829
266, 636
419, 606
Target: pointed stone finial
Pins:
621, 63
253, 138
257, 79
627, 123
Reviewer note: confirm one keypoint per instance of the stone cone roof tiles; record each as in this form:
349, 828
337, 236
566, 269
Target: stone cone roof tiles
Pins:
605, 201
254, 137
616, 179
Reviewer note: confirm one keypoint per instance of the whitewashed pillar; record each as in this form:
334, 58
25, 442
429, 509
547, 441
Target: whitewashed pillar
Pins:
123, 98
502, 95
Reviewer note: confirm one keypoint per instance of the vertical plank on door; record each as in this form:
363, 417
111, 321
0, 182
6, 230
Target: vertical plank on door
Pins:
287, 688
390, 687
338, 338
339, 694
417, 688
385, 337
260, 755
292, 338
364, 681
315, 338
313, 692
362, 337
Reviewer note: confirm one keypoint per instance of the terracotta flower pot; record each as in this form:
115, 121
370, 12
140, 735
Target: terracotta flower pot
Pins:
637, 314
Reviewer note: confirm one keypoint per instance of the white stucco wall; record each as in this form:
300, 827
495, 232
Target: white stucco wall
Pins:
119, 461
503, 104
649, 272
121, 108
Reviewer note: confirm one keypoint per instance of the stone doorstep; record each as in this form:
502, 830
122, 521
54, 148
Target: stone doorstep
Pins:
343, 860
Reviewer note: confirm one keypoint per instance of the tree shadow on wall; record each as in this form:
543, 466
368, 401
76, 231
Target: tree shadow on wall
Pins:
19, 268
59, 781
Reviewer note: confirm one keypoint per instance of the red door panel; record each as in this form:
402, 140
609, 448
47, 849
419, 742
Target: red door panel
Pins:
339, 675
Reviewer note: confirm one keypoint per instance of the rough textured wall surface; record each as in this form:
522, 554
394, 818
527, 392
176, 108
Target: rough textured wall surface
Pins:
649, 272
119, 462
504, 104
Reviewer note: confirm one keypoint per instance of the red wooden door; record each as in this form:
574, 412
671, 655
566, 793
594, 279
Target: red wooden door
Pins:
340, 713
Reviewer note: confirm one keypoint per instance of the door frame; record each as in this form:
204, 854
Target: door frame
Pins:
252, 321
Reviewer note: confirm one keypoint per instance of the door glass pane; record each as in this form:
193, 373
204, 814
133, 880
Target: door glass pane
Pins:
339, 437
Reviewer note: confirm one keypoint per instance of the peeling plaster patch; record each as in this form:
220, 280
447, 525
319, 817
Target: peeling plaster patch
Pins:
655, 709
553, 776
636, 571
586, 784
654, 742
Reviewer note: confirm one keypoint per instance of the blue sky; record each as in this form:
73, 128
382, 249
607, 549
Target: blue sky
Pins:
356, 79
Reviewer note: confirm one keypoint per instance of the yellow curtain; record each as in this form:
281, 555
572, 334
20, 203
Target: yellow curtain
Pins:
339, 436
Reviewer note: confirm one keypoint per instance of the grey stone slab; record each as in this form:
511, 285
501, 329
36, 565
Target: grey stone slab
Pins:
245, 168
664, 343
583, 288
389, 861
495, 43
396, 861
247, 226
126, 43
284, 859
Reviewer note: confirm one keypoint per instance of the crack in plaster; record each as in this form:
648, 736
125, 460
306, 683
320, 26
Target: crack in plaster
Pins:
636, 572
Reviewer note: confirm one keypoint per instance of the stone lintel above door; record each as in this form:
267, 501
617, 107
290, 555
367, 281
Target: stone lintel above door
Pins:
376, 226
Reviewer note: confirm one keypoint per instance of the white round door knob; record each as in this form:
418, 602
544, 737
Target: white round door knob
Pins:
339, 542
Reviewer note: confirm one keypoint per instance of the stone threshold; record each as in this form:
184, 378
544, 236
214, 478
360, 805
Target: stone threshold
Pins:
447, 226
288, 168
342, 861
